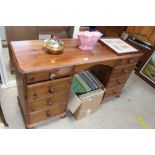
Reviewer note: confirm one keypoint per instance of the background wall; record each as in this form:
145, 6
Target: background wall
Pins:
148, 31
2, 33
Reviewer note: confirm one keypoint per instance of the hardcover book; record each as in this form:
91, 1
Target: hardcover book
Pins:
91, 80
82, 82
87, 81
77, 87
100, 85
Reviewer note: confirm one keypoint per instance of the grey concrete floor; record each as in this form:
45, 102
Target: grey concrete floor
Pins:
137, 99
6, 60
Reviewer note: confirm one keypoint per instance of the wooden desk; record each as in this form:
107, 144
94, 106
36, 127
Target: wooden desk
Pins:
44, 80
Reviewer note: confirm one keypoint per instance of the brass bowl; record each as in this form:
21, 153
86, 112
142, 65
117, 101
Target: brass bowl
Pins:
53, 50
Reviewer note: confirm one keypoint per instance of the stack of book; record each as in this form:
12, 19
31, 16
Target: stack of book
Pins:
86, 95
85, 82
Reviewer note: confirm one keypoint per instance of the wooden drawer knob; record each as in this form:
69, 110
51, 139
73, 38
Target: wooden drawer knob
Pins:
49, 103
51, 90
118, 81
33, 109
52, 76
114, 92
130, 61
32, 79
124, 70
34, 96
48, 114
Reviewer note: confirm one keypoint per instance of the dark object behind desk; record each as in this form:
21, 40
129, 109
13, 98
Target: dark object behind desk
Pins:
148, 50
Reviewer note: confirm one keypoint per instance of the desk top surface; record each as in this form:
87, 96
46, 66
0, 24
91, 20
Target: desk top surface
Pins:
30, 56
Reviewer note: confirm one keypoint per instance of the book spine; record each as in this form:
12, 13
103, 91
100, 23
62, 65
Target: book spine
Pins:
77, 87
91, 80
83, 83
95, 79
87, 81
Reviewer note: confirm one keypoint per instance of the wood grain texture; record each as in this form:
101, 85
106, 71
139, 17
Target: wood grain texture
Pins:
146, 31
16, 33
50, 74
48, 102
111, 31
114, 82
60, 31
122, 70
148, 34
45, 89
31, 57
47, 114
114, 91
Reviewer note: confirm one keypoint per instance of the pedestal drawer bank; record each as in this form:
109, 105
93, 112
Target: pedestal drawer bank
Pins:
44, 80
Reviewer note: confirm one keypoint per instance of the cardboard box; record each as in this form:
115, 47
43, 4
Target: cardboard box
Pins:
86, 104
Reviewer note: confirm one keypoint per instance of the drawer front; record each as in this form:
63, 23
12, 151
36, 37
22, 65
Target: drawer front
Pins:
50, 102
122, 71
46, 89
117, 82
47, 114
115, 91
49, 74
127, 61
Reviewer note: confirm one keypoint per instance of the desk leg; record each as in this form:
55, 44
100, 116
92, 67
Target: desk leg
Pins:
117, 94
63, 116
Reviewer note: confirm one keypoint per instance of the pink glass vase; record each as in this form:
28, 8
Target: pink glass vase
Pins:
88, 39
